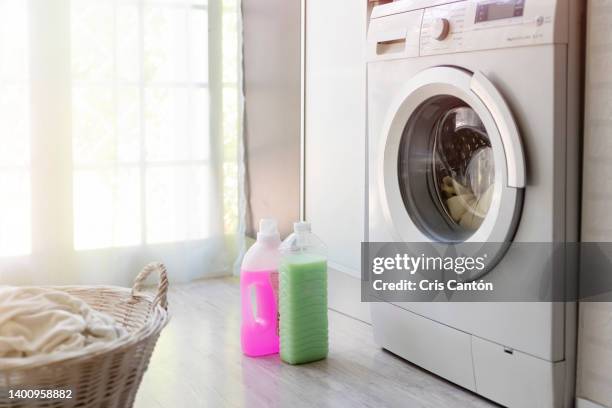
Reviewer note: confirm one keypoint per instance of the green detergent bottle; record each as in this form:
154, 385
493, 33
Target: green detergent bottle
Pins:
303, 297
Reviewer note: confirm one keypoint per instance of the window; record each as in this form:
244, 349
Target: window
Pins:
140, 115
127, 124
15, 195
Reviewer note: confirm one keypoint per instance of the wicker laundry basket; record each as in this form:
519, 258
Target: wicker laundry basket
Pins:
109, 377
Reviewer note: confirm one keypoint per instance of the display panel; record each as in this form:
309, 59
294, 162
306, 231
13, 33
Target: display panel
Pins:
499, 9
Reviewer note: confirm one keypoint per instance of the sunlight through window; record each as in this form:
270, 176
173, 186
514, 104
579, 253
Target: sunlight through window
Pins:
141, 144
15, 195
145, 167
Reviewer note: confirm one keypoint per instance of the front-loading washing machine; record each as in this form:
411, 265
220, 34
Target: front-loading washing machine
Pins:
474, 136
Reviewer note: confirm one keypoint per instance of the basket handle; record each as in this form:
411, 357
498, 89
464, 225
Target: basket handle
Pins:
161, 298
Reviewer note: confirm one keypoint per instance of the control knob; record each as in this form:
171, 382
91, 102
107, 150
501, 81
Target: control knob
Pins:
441, 29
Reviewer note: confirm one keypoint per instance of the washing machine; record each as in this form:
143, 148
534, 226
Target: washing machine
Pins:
479, 101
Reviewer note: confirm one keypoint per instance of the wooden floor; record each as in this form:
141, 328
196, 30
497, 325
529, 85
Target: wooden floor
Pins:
198, 363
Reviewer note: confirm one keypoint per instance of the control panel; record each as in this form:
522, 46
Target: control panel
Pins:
486, 24
431, 27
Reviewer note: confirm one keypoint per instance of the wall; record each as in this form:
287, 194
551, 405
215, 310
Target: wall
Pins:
272, 77
334, 124
335, 141
594, 377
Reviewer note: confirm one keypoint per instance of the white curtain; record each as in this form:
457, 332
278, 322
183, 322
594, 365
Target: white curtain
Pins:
119, 128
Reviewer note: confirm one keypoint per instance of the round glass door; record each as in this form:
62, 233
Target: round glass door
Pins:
450, 167
446, 169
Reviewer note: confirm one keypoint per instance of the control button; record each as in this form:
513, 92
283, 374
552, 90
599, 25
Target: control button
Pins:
441, 28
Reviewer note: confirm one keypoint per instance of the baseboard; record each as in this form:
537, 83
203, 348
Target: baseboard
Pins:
584, 403
344, 295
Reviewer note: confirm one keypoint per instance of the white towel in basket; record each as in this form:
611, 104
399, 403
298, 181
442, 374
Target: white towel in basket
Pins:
36, 322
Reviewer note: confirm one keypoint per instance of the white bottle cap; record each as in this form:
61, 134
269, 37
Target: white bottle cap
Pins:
301, 226
268, 229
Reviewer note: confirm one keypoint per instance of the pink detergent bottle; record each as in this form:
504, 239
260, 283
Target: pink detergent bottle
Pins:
259, 292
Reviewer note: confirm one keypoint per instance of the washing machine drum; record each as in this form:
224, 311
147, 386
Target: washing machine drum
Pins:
463, 168
455, 161
452, 165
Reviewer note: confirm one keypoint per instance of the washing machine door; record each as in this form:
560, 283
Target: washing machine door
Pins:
452, 166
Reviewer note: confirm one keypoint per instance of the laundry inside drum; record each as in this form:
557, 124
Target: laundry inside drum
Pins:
463, 168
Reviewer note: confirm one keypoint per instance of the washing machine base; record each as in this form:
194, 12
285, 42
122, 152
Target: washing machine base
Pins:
508, 377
